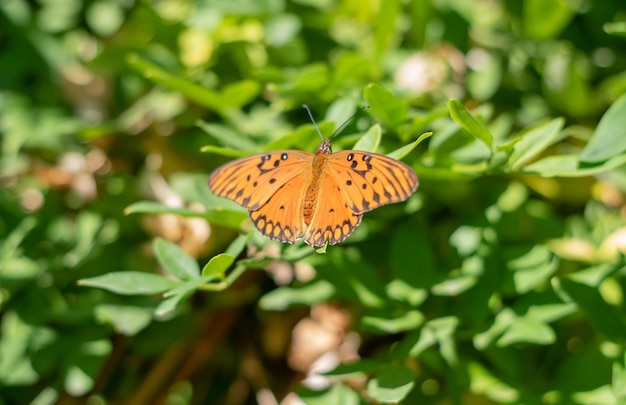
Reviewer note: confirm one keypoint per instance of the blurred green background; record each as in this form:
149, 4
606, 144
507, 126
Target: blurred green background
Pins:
123, 280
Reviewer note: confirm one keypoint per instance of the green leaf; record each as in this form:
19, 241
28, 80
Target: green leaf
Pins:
545, 19
199, 94
609, 138
619, 379
189, 286
310, 78
174, 297
151, 207
485, 79
533, 268
527, 330
595, 275
218, 216
15, 365
229, 137
392, 384
356, 368
503, 320
615, 28
126, 319
551, 312
469, 123
175, 260
218, 265
386, 27
284, 297
454, 286
238, 245
606, 318
399, 290
388, 323
535, 141
338, 394
130, 283
239, 94
9, 247
403, 151
223, 151
226, 217
371, 140
569, 166
386, 107
482, 382
435, 331
88, 227
355, 276
19, 268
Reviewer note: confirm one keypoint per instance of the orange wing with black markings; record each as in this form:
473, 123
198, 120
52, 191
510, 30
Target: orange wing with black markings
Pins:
252, 180
370, 180
319, 197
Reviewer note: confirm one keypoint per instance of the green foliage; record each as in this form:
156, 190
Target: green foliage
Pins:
501, 280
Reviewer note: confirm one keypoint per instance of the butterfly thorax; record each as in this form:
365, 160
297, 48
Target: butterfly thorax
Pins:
317, 171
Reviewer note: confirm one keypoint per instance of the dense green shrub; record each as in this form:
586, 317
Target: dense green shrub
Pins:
124, 280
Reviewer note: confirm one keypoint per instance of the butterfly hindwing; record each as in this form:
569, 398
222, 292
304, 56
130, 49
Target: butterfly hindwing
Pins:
369, 180
252, 180
280, 217
333, 220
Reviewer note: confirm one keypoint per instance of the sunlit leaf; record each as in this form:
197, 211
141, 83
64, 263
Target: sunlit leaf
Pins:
284, 297
609, 138
391, 110
371, 140
130, 282
391, 384
218, 265
175, 260
469, 123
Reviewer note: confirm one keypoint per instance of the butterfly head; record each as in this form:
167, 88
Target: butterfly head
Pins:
324, 147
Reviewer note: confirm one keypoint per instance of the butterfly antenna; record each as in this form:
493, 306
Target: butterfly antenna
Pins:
348, 120
306, 107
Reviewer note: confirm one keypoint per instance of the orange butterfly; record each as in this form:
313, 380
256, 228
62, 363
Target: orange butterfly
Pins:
320, 197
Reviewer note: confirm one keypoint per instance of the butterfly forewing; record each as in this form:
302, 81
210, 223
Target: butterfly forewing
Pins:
252, 180
368, 180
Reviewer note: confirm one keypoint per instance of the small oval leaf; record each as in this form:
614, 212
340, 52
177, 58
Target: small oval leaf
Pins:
218, 265
386, 107
175, 260
130, 283
469, 123
609, 138
392, 384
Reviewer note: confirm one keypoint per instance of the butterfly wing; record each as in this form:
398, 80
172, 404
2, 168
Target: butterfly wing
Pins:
280, 217
333, 220
251, 181
369, 180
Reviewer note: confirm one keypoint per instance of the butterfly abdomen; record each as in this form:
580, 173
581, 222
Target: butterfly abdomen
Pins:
312, 191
